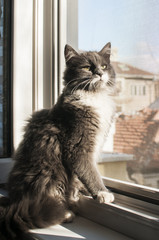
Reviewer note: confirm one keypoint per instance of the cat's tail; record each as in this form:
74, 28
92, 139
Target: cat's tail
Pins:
16, 218
12, 226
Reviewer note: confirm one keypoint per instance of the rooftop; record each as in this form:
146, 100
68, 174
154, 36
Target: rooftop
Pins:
138, 135
123, 68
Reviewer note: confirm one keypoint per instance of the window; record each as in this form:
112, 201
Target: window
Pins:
38, 59
132, 30
5, 78
37, 65
138, 90
157, 91
133, 90
138, 117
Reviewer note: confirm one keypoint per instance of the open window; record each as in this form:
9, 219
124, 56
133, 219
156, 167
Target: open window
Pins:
130, 156
131, 152
129, 163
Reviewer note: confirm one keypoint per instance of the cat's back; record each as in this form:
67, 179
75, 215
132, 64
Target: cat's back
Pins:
39, 133
41, 121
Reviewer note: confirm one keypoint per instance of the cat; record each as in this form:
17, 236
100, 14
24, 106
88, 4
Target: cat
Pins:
60, 146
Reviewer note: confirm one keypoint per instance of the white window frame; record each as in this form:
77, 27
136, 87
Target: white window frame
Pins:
38, 61
132, 214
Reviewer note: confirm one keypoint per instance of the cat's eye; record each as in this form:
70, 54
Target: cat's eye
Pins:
86, 68
103, 67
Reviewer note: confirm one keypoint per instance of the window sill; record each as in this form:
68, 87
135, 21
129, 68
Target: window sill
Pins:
126, 218
135, 214
80, 228
121, 216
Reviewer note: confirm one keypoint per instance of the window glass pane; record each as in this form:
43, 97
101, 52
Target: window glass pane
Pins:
5, 78
132, 149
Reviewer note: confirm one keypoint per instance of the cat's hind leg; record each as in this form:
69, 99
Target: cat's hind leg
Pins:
76, 189
55, 211
49, 211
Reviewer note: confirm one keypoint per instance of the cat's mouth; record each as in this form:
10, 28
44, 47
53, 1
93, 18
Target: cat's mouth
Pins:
103, 78
101, 82
97, 83
97, 78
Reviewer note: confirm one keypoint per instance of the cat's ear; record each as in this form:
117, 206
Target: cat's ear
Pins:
106, 50
69, 52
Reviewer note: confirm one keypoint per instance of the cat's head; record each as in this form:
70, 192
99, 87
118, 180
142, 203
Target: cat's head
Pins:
89, 71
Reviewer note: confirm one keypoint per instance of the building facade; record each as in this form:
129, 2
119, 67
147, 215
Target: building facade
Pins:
136, 89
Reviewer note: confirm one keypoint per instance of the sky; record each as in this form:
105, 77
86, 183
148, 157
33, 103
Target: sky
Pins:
132, 27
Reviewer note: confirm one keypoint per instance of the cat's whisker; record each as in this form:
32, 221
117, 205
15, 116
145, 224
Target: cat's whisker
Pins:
110, 83
76, 87
75, 79
81, 83
87, 84
93, 86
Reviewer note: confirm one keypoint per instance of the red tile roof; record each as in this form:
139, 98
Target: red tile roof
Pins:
122, 68
132, 131
136, 135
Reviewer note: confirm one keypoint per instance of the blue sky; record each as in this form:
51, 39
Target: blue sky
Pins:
132, 26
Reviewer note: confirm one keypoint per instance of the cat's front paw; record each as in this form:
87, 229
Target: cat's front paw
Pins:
105, 197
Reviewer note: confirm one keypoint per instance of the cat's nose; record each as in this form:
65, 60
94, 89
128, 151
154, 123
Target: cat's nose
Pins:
98, 72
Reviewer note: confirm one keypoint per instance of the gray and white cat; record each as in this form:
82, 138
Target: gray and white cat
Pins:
60, 148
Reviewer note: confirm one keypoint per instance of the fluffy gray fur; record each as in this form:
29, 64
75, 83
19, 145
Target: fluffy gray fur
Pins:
60, 147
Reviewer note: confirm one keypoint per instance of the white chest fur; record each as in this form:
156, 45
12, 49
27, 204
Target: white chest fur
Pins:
104, 107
